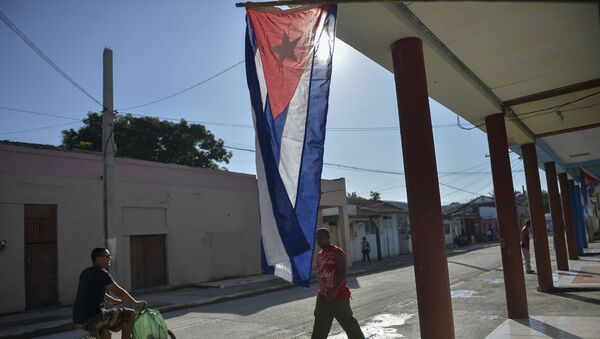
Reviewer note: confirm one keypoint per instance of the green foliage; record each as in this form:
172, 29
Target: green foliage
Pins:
521, 199
375, 196
151, 139
353, 195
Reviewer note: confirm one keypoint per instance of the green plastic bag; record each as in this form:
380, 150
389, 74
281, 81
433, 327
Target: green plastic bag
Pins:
149, 324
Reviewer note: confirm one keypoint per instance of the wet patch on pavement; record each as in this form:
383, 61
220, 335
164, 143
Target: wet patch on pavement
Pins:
463, 293
382, 326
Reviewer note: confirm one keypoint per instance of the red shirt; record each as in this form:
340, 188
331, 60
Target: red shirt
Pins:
327, 273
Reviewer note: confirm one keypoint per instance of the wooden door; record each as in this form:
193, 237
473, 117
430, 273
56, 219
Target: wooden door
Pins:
148, 261
41, 282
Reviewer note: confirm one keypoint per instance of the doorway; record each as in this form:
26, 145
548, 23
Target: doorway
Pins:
148, 261
41, 278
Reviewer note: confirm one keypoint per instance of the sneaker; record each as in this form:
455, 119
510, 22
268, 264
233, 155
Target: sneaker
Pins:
530, 272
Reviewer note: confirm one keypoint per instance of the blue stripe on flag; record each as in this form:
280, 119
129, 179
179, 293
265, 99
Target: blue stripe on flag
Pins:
307, 203
290, 232
302, 219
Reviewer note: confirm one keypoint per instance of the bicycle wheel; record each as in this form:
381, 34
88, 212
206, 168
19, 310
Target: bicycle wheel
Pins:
171, 335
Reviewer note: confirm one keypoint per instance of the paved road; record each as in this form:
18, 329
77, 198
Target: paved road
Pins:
384, 303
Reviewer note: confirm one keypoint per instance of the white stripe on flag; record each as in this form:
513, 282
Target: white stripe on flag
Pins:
271, 240
292, 139
260, 74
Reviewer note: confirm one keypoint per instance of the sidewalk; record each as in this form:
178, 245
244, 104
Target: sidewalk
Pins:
58, 319
583, 275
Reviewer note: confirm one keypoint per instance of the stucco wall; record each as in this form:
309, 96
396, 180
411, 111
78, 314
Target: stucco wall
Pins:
210, 218
12, 260
78, 228
211, 233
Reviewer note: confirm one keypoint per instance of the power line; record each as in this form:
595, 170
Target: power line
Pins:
37, 129
47, 59
215, 123
187, 88
39, 113
558, 107
363, 169
386, 187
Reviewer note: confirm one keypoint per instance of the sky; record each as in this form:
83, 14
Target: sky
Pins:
160, 48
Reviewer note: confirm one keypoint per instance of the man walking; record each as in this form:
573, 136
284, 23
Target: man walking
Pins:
525, 246
333, 297
88, 313
366, 250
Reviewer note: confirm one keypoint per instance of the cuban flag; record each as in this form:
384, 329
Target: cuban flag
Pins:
588, 183
288, 69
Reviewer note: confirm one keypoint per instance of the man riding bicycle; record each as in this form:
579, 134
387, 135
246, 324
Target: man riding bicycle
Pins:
88, 311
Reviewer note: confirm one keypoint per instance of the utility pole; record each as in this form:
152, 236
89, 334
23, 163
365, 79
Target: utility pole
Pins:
108, 155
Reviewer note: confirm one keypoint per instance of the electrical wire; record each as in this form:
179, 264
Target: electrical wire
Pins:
185, 89
466, 128
37, 129
39, 113
558, 107
47, 59
358, 169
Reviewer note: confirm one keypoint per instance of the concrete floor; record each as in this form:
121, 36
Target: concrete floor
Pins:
384, 303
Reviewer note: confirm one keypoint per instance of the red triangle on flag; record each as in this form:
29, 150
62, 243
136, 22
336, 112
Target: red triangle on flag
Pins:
285, 40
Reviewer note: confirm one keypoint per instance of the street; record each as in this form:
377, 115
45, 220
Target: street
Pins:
384, 303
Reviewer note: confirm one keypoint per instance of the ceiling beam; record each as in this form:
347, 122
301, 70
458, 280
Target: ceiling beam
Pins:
404, 14
568, 130
553, 92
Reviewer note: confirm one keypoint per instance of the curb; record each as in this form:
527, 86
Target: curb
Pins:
284, 286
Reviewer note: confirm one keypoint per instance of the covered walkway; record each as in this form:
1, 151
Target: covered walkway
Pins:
528, 75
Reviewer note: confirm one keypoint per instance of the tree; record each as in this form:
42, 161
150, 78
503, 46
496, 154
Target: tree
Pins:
353, 195
151, 139
521, 199
375, 196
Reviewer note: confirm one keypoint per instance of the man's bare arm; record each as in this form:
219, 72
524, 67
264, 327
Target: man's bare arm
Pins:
340, 265
114, 301
124, 295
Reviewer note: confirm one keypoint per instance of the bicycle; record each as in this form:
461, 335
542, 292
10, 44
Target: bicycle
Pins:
138, 313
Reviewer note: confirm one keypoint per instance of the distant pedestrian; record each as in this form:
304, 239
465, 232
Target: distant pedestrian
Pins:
525, 246
333, 297
489, 234
366, 250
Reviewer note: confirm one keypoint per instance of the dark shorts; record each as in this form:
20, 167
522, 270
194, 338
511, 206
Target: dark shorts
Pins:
107, 320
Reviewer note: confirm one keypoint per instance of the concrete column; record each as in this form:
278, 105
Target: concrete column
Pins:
112, 232
568, 216
514, 279
538, 221
558, 226
344, 228
429, 251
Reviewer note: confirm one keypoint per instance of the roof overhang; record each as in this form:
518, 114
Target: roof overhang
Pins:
539, 63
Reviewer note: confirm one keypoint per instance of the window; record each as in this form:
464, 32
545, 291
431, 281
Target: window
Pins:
447, 228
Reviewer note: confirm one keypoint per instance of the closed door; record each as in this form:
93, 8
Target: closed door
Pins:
148, 261
41, 283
